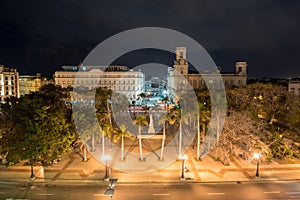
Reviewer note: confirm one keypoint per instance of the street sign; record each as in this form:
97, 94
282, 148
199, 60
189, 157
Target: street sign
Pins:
109, 192
112, 182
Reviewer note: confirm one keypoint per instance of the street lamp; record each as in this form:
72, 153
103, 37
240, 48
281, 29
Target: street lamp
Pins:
257, 156
106, 158
32, 176
182, 158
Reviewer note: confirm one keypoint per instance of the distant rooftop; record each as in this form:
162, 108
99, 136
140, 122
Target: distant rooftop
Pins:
7, 69
90, 67
295, 80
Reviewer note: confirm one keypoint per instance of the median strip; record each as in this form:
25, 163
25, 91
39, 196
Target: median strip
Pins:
220, 193
161, 194
44, 194
272, 192
292, 193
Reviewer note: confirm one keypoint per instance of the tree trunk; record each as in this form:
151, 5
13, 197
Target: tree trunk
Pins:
202, 136
140, 143
122, 152
108, 110
218, 127
93, 141
198, 138
272, 119
103, 145
180, 139
84, 153
163, 143
99, 137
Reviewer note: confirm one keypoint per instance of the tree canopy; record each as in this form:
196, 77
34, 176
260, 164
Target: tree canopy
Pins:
37, 126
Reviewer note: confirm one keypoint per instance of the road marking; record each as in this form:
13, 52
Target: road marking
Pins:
272, 192
45, 194
20, 199
220, 193
161, 194
292, 193
6, 186
100, 195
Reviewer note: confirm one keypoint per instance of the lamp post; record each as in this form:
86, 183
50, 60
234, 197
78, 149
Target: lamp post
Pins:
106, 158
257, 156
182, 158
32, 176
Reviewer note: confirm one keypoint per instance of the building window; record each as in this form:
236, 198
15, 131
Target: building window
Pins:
181, 54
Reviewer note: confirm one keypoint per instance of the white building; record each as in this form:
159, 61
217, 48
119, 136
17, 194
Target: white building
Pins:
32, 83
294, 86
179, 77
9, 82
117, 78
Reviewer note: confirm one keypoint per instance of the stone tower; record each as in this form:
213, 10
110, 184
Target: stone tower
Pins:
180, 63
241, 68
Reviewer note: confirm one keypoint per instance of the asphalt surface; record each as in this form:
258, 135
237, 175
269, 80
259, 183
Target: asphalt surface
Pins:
187, 191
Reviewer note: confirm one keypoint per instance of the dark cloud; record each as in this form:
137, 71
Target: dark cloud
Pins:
40, 36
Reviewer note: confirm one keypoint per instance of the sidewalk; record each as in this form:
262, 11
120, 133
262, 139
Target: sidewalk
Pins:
71, 169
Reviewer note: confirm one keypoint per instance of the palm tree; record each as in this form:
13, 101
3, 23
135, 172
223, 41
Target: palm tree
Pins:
87, 126
202, 119
176, 116
163, 121
156, 110
122, 132
106, 131
142, 95
166, 100
102, 104
141, 121
219, 103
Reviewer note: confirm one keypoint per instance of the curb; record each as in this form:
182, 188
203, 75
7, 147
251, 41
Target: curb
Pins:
102, 182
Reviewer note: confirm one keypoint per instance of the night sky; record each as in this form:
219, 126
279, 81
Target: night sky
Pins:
42, 35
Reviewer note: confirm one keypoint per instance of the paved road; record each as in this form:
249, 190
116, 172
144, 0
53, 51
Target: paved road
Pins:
220, 191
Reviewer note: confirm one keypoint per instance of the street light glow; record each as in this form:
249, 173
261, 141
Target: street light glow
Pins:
257, 155
105, 157
183, 157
